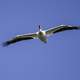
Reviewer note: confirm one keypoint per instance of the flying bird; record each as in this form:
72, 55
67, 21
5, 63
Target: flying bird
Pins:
41, 34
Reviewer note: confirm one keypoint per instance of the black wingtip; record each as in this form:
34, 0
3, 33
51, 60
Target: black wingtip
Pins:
4, 44
78, 27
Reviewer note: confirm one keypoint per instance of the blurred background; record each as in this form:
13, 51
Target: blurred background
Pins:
59, 59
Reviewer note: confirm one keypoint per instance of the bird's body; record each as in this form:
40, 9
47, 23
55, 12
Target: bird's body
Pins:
41, 34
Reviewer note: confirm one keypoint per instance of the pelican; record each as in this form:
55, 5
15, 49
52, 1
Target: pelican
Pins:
41, 34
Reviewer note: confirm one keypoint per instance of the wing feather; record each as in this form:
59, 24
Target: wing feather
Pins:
19, 38
61, 28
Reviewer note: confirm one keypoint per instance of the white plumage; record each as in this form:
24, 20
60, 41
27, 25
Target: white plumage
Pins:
41, 34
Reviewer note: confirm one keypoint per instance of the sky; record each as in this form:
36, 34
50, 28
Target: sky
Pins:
59, 59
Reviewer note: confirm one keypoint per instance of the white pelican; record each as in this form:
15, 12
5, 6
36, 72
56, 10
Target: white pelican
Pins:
41, 34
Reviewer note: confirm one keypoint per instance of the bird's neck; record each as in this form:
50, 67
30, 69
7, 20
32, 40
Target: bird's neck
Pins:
40, 30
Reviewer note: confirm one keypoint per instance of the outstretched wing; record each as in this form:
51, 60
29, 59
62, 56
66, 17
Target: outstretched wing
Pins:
20, 38
61, 28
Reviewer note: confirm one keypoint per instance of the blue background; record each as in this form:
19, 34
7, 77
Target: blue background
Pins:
59, 59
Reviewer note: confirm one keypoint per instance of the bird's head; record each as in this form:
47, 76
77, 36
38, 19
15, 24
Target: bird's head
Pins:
39, 27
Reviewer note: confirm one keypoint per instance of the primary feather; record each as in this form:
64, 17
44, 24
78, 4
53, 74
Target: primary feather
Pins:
19, 38
16, 39
61, 28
